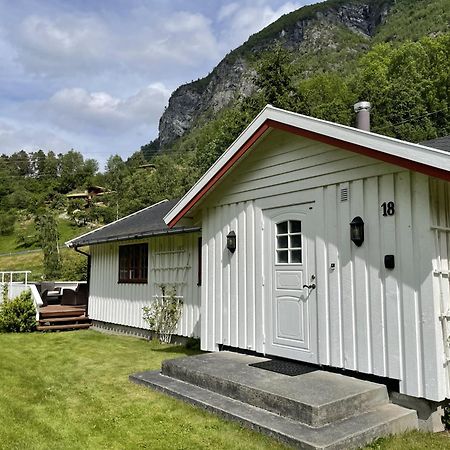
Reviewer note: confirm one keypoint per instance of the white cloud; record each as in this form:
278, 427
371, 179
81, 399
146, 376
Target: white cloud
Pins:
53, 46
77, 109
227, 11
248, 17
14, 137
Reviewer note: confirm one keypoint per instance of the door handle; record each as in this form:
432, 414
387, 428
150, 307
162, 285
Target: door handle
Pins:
309, 286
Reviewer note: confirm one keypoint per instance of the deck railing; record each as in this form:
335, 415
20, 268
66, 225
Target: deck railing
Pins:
16, 282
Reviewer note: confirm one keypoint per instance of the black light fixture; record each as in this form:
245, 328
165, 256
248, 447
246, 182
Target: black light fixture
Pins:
357, 231
231, 241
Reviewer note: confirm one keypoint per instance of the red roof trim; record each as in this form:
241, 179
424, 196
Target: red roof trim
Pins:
386, 157
270, 123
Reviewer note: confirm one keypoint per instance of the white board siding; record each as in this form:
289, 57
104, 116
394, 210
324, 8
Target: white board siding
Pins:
440, 220
172, 259
370, 319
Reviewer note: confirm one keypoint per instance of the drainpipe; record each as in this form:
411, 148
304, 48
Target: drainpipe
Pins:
362, 110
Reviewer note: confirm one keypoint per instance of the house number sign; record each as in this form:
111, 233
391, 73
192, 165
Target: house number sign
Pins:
388, 208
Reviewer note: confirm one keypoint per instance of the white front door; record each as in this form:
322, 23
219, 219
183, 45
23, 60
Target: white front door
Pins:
290, 321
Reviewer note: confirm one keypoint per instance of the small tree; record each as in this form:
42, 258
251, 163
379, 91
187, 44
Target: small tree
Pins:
164, 313
48, 238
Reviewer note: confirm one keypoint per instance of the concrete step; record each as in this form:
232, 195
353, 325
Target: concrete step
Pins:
314, 398
349, 433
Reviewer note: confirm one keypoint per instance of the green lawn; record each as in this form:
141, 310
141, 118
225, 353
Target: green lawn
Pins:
71, 391
67, 230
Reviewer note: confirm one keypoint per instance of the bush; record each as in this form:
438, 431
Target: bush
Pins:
7, 222
74, 266
446, 416
164, 313
18, 315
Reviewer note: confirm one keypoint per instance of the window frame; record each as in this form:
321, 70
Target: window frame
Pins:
136, 256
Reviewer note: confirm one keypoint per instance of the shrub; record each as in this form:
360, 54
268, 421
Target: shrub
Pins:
74, 266
7, 221
18, 315
164, 313
446, 416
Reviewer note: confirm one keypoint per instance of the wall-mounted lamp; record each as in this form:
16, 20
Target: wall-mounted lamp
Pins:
357, 231
231, 241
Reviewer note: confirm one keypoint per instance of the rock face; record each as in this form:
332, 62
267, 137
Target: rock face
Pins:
233, 77
225, 83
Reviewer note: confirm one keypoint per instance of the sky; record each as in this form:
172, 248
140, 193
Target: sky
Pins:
96, 75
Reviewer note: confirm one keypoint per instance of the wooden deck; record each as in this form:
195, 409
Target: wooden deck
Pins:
62, 317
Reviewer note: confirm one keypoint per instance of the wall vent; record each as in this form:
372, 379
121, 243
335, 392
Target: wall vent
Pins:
344, 194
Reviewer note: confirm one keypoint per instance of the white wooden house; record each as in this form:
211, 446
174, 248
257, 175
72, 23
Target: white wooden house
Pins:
302, 282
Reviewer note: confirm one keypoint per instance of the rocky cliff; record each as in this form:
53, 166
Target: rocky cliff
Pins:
307, 31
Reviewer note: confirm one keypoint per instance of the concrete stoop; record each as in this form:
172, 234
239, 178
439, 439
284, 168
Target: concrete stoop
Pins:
313, 410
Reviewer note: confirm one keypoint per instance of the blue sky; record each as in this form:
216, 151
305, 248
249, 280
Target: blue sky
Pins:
96, 75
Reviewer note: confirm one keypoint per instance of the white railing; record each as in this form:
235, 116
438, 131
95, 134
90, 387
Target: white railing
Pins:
15, 288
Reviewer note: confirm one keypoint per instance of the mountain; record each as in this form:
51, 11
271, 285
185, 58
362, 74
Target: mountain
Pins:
325, 37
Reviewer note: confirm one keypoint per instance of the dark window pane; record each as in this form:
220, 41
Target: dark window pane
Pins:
295, 226
296, 256
282, 242
282, 228
282, 256
133, 263
296, 241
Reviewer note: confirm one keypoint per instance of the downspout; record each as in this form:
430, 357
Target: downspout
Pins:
88, 278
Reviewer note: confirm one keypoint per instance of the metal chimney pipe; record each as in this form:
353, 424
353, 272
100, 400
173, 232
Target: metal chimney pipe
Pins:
362, 110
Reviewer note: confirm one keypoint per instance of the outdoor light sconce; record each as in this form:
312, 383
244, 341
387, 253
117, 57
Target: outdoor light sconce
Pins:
231, 241
357, 231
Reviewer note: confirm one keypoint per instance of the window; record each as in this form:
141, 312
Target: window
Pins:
133, 263
289, 242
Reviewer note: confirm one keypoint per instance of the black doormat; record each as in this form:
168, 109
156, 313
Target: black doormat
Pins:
289, 368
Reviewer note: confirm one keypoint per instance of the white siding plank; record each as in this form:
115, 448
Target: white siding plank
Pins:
332, 201
361, 296
374, 258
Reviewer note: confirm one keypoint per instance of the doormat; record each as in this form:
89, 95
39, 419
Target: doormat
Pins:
289, 368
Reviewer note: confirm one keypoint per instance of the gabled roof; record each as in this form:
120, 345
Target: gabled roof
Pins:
144, 223
415, 157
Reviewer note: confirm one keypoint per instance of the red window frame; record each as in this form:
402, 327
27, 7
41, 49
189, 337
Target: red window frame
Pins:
133, 263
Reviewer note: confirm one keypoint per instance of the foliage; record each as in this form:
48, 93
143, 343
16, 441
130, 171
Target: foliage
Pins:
18, 315
446, 416
73, 266
408, 86
7, 221
164, 313
48, 239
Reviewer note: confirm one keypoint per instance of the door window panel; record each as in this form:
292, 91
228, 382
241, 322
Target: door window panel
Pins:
289, 242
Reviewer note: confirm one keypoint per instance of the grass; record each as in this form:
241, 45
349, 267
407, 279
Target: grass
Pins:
71, 390
24, 261
67, 230
414, 440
